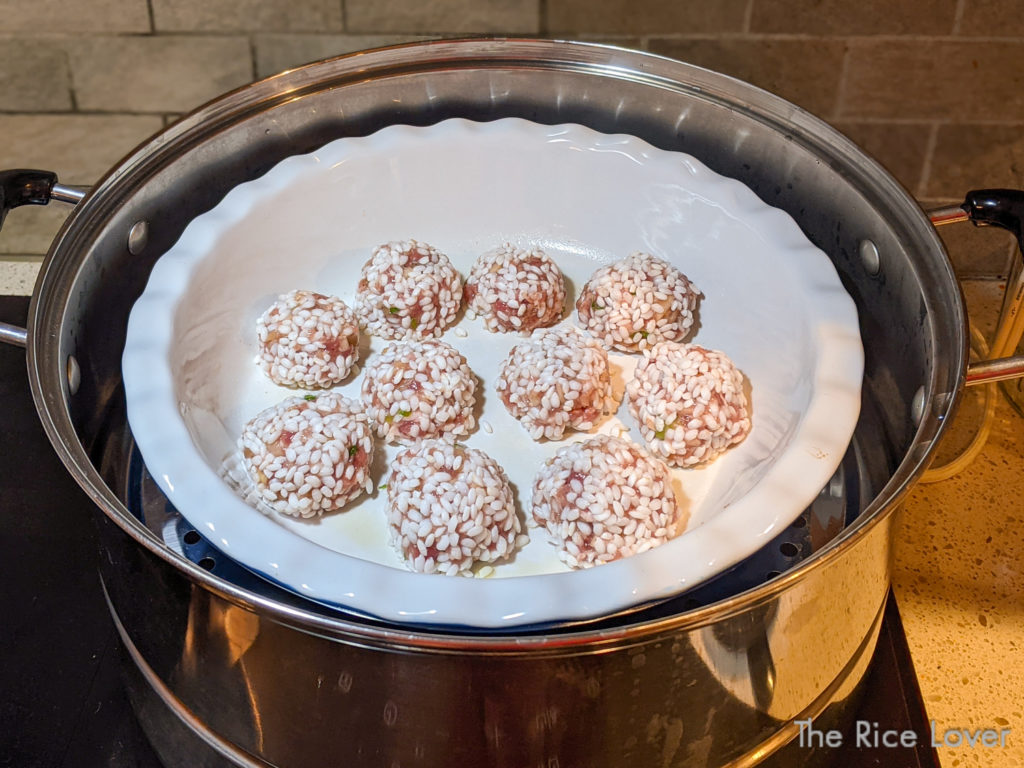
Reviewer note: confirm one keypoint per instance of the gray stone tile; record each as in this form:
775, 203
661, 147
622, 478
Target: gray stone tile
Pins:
247, 15
31, 228
33, 76
926, 79
976, 156
156, 74
79, 148
777, 65
626, 17
853, 17
443, 16
900, 147
984, 298
992, 18
73, 16
978, 251
18, 277
969, 157
276, 53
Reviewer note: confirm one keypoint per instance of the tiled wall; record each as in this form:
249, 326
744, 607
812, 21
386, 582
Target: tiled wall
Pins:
933, 88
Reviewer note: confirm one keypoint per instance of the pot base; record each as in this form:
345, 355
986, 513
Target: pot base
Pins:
179, 739
182, 740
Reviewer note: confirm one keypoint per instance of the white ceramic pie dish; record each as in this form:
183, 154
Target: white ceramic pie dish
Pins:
771, 300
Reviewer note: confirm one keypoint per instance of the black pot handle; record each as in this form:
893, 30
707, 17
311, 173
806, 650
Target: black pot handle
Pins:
24, 187
997, 207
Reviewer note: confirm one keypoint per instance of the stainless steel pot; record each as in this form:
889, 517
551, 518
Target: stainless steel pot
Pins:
228, 671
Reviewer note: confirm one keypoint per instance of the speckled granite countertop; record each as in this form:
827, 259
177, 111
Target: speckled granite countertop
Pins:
959, 584
959, 576
18, 277
959, 579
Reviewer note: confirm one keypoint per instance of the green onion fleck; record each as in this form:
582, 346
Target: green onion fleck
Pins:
310, 398
382, 487
353, 450
394, 310
595, 306
660, 434
643, 334
389, 418
414, 324
405, 413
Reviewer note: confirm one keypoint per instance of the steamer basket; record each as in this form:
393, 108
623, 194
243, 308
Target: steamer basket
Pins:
226, 670
837, 504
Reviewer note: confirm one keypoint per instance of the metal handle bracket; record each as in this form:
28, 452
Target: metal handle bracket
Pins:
13, 334
23, 186
1001, 208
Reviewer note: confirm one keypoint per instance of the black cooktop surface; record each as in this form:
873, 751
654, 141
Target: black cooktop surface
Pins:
61, 699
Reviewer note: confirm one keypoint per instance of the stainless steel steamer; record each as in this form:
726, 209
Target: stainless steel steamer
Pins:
226, 672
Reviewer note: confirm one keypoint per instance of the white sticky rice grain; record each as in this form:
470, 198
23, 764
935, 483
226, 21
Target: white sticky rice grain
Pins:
688, 402
554, 381
515, 290
450, 507
408, 289
604, 499
416, 383
307, 340
634, 303
309, 455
